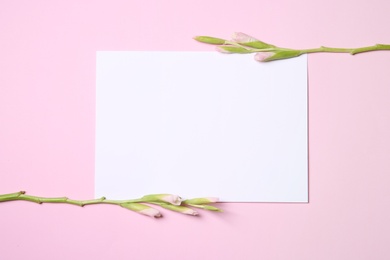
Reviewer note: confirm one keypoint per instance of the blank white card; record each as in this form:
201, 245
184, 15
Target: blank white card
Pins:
201, 124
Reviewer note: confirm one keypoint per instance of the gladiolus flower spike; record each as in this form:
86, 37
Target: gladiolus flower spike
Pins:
242, 43
167, 201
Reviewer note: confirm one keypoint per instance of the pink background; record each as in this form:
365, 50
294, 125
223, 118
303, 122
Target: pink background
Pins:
47, 87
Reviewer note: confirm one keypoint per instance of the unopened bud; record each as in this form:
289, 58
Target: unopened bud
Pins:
172, 199
205, 200
210, 40
205, 206
232, 49
250, 41
180, 209
142, 209
262, 56
277, 55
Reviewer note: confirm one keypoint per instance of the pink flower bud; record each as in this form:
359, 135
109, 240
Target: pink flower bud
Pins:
242, 37
173, 199
181, 209
142, 209
277, 55
151, 212
169, 198
247, 40
189, 211
262, 56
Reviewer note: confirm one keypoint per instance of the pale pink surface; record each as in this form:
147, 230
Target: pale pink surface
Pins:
47, 88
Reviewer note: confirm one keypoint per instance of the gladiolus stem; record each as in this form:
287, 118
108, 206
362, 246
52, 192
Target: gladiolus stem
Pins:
377, 47
243, 44
21, 195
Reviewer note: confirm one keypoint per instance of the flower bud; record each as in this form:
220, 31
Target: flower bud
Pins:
212, 208
204, 206
249, 41
169, 198
277, 55
209, 40
198, 201
142, 209
232, 49
180, 209
262, 56
242, 37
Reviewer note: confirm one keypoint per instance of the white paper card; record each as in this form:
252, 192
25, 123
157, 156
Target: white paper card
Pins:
201, 124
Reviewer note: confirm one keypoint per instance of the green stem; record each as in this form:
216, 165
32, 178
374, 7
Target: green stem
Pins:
164, 200
377, 47
22, 196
